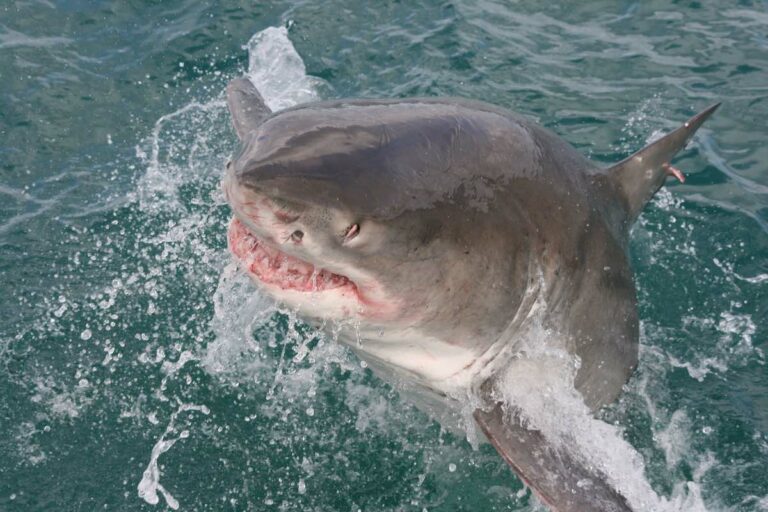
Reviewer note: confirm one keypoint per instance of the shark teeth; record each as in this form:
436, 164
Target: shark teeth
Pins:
276, 268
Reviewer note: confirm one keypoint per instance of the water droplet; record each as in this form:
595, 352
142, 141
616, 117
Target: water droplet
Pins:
86, 335
310, 411
451, 467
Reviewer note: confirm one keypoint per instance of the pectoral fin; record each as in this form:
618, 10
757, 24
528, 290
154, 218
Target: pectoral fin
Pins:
559, 479
638, 177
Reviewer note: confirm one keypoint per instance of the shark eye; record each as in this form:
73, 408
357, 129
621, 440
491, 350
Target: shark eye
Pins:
351, 232
297, 236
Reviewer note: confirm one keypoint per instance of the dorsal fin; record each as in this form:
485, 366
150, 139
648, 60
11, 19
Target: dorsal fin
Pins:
246, 105
641, 175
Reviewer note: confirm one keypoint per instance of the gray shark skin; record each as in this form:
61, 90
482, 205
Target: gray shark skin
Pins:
434, 227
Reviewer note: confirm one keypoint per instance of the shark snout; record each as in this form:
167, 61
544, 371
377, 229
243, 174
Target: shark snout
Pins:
268, 218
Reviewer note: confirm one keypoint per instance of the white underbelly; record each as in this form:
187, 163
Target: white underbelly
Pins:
431, 361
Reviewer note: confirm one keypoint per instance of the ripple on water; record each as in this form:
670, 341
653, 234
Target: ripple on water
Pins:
126, 310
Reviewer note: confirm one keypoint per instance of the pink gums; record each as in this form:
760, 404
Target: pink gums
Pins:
277, 268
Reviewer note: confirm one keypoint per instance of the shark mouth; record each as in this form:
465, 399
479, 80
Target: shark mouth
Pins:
278, 269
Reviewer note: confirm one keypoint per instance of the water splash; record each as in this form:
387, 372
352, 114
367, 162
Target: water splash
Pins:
540, 384
171, 160
150, 481
254, 342
733, 346
278, 72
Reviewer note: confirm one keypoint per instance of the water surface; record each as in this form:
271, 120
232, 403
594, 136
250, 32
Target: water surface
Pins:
140, 371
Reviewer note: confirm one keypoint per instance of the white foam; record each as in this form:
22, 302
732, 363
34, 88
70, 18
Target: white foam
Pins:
27, 447
728, 270
671, 431
150, 481
733, 347
61, 402
674, 438
373, 410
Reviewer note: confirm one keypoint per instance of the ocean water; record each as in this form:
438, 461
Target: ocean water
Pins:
140, 370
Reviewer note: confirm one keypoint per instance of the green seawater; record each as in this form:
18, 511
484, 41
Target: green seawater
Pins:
139, 370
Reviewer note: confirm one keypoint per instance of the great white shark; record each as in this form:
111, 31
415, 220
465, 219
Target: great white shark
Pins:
433, 231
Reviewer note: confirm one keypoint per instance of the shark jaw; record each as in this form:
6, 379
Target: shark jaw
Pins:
297, 283
278, 269
305, 286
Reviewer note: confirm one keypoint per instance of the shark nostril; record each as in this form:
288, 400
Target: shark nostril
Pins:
285, 218
297, 236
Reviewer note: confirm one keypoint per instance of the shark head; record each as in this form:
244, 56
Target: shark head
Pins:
370, 213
